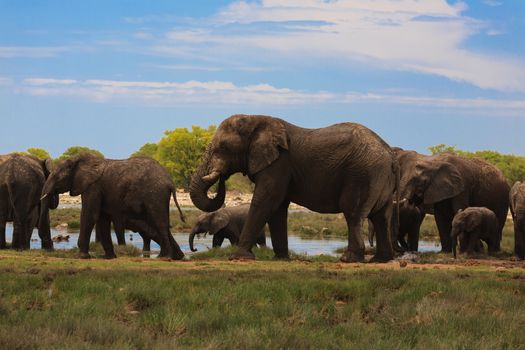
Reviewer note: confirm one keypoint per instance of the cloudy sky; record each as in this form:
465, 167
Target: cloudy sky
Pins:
113, 75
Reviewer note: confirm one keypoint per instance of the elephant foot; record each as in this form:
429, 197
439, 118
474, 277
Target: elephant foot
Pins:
350, 257
110, 256
84, 256
47, 246
242, 254
177, 256
281, 257
381, 258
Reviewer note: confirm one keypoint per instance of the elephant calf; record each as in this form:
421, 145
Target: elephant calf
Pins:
224, 223
472, 225
517, 208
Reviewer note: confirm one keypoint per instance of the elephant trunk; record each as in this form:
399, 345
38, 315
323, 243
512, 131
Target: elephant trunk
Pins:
454, 237
201, 182
192, 238
44, 230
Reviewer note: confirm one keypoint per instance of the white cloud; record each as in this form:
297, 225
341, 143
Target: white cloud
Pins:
493, 3
36, 52
419, 36
227, 93
4, 81
48, 81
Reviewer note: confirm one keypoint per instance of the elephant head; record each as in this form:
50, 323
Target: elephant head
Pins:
74, 175
432, 181
242, 143
209, 222
463, 223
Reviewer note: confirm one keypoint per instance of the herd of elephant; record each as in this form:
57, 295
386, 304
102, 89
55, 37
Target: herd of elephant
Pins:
344, 168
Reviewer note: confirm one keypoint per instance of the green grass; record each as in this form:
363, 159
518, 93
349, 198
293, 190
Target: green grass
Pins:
127, 303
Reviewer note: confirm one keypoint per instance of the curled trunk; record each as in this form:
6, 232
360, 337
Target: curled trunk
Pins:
192, 238
201, 181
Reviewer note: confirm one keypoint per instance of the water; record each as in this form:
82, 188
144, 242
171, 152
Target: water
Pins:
297, 244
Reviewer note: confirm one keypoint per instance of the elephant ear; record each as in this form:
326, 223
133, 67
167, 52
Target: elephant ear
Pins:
472, 221
47, 166
264, 147
219, 221
87, 170
446, 183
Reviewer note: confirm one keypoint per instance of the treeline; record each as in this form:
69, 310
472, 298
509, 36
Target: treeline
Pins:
180, 151
512, 166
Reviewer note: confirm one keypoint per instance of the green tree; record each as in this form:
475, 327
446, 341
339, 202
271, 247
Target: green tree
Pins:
76, 150
39, 152
181, 150
147, 150
512, 166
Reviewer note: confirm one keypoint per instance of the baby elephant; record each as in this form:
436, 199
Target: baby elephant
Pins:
472, 225
517, 208
224, 223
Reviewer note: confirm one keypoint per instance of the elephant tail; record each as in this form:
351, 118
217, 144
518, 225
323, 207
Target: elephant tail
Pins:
174, 192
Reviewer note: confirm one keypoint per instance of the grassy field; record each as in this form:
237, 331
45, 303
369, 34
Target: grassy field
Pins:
49, 301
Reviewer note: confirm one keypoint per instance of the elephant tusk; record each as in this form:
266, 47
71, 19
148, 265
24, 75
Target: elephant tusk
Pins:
401, 201
212, 177
44, 196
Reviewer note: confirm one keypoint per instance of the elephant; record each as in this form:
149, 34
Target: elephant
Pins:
472, 225
132, 193
410, 219
517, 209
224, 223
450, 182
21, 180
341, 168
410, 216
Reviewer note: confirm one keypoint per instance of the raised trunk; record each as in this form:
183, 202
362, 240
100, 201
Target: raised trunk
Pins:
200, 185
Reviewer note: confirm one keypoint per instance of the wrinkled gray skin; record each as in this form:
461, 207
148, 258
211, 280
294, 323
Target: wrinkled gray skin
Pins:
224, 223
517, 208
472, 225
132, 193
21, 180
410, 219
410, 216
341, 168
450, 182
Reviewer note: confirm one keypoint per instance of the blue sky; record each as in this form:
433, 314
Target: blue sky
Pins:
113, 75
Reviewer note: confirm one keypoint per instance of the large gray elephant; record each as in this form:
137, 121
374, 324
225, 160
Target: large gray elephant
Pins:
224, 223
341, 168
21, 180
132, 193
450, 182
517, 208
410, 215
472, 225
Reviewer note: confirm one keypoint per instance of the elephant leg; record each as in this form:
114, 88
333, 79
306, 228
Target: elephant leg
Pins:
218, 238
371, 232
381, 220
443, 214
146, 246
269, 194
3, 244
103, 230
519, 241
261, 241
278, 224
88, 217
176, 252
355, 252
120, 232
